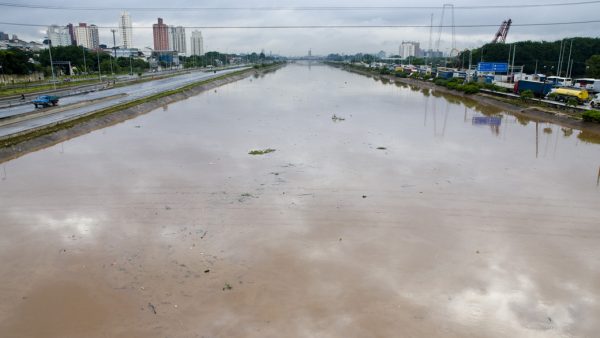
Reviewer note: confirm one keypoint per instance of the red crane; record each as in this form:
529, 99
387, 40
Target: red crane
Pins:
502, 32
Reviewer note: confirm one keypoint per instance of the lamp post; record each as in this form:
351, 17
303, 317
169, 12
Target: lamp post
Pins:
98, 58
130, 65
84, 63
114, 56
51, 63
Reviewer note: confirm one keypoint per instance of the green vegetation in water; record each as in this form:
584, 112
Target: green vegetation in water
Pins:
227, 287
261, 152
548, 130
591, 116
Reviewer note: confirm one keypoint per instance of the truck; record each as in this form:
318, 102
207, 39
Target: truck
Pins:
539, 89
45, 101
591, 85
564, 94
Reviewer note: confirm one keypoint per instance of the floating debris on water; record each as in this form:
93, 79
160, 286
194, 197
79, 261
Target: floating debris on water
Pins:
336, 118
261, 152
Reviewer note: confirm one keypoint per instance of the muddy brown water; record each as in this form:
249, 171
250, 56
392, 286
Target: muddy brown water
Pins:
164, 226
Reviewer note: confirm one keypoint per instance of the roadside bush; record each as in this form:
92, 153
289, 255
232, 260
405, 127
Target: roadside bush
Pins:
401, 74
493, 87
440, 82
573, 102
452, 85
526, 95
591, 116
470, 88
384, 71
552, 96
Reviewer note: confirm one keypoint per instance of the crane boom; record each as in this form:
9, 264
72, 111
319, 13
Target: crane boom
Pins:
502, 32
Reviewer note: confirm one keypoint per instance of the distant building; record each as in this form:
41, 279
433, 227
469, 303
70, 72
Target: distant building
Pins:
409, 49
59, 35
23, 45
160, 32
94, 36
3, 36
87, 36
126, 30
381, 54
177, 39
72, 34
433, 54
197, 43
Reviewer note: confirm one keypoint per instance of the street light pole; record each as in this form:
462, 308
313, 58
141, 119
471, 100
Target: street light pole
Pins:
51, 63
84, 63
114, 56
98, 58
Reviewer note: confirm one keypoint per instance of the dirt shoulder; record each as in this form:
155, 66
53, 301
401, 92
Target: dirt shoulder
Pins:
53, 134
534, 113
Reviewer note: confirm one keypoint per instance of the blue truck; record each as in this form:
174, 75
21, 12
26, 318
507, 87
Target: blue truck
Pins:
539, 89
45, 101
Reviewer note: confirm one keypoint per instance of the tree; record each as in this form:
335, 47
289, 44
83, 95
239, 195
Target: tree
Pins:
16, 61
544, 54
593, 66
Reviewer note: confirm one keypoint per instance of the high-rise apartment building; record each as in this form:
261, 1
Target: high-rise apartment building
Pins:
177, 39
59, 35
126, 30
72, 34
160, 32
409, 49
87, 36
94, 36
197, 43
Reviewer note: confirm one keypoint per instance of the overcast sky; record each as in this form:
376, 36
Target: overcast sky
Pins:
321, 41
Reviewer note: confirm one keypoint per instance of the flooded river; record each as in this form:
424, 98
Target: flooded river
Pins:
407, 214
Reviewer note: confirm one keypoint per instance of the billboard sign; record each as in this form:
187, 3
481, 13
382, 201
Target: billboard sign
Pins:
495, 67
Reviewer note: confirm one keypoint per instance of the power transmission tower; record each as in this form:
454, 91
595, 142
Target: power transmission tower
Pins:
450, 9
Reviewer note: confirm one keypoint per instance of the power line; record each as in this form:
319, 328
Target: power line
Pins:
306, 8
339, 26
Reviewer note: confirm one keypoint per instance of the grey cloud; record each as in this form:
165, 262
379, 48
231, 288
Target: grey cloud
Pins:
322, 41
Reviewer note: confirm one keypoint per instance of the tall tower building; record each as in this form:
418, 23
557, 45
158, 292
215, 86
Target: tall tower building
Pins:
177, 39
72, 34
126, 30
59, 35
160, 32
82, 35
94, 37
197, 43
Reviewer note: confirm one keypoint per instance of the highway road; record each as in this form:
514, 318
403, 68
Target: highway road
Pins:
132, 92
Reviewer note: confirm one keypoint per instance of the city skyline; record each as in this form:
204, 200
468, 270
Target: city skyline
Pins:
324, 40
